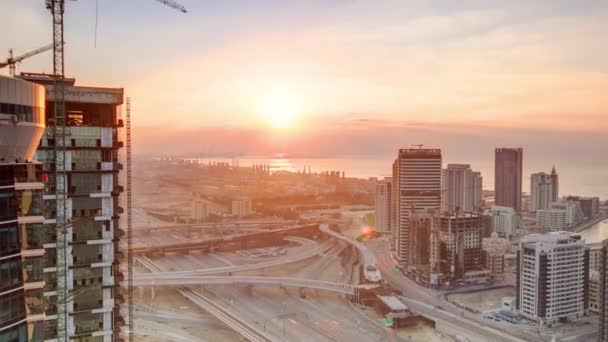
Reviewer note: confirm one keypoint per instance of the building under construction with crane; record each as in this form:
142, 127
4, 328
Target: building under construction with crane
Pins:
78, 160
92, 185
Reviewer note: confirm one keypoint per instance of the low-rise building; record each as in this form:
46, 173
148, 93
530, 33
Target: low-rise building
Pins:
589, 205
552, 219
200, 210
241, 207
502, 220
560, 215
494, 251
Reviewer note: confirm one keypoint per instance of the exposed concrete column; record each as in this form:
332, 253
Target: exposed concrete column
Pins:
152, 292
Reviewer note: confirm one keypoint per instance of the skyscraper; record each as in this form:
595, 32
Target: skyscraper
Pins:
508, 177
603, 289
383, 205
417, 188
544, 190
22, 252
461, 189
93, 169
552, 277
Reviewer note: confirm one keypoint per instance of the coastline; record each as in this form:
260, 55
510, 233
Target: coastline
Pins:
589, 223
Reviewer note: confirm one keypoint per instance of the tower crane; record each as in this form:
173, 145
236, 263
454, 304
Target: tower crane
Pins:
60, 133
12, 61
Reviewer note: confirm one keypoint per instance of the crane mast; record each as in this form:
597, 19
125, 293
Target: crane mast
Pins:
58, 132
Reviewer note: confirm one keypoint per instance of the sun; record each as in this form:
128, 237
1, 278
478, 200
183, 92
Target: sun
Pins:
280, 110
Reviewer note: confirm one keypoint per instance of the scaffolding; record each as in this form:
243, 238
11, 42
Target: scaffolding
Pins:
129, 224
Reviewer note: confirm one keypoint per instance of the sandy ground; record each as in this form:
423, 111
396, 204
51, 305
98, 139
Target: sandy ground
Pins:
481, 301
421, 332
202, 326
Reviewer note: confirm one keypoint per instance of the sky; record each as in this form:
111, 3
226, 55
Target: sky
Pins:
362, 76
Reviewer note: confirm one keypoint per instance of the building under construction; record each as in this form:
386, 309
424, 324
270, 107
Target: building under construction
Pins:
92, 184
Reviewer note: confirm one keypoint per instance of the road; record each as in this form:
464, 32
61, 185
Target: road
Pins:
435, 298
282, 312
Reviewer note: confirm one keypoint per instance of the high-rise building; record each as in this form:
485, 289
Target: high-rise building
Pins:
552, 277
462, 189
460, 236
508, 164
502, 220
383, 205
92, 167
417, 188
544, 190
603, 293
22, 306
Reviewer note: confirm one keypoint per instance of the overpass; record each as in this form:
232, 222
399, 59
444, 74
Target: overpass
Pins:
246, 329
370, 269
308, 253
236, 224
236, 241
348, 289
368, 257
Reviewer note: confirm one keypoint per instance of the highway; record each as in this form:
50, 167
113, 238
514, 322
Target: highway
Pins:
249, 331
246, 329
367, 255
281, 312
312, 249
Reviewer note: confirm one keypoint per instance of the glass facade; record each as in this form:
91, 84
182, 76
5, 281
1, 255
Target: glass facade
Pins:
21, 200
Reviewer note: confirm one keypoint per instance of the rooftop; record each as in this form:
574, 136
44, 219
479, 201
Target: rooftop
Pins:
393, 303
551, 237
74, 93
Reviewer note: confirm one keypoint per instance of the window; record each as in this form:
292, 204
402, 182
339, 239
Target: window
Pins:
8, 205
9, 239
13, 308
10, 274
15, 334
23, 112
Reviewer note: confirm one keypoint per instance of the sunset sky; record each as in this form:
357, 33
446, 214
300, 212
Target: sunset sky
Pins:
338, 65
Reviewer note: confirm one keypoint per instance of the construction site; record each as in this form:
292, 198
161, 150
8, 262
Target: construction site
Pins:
106, 270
